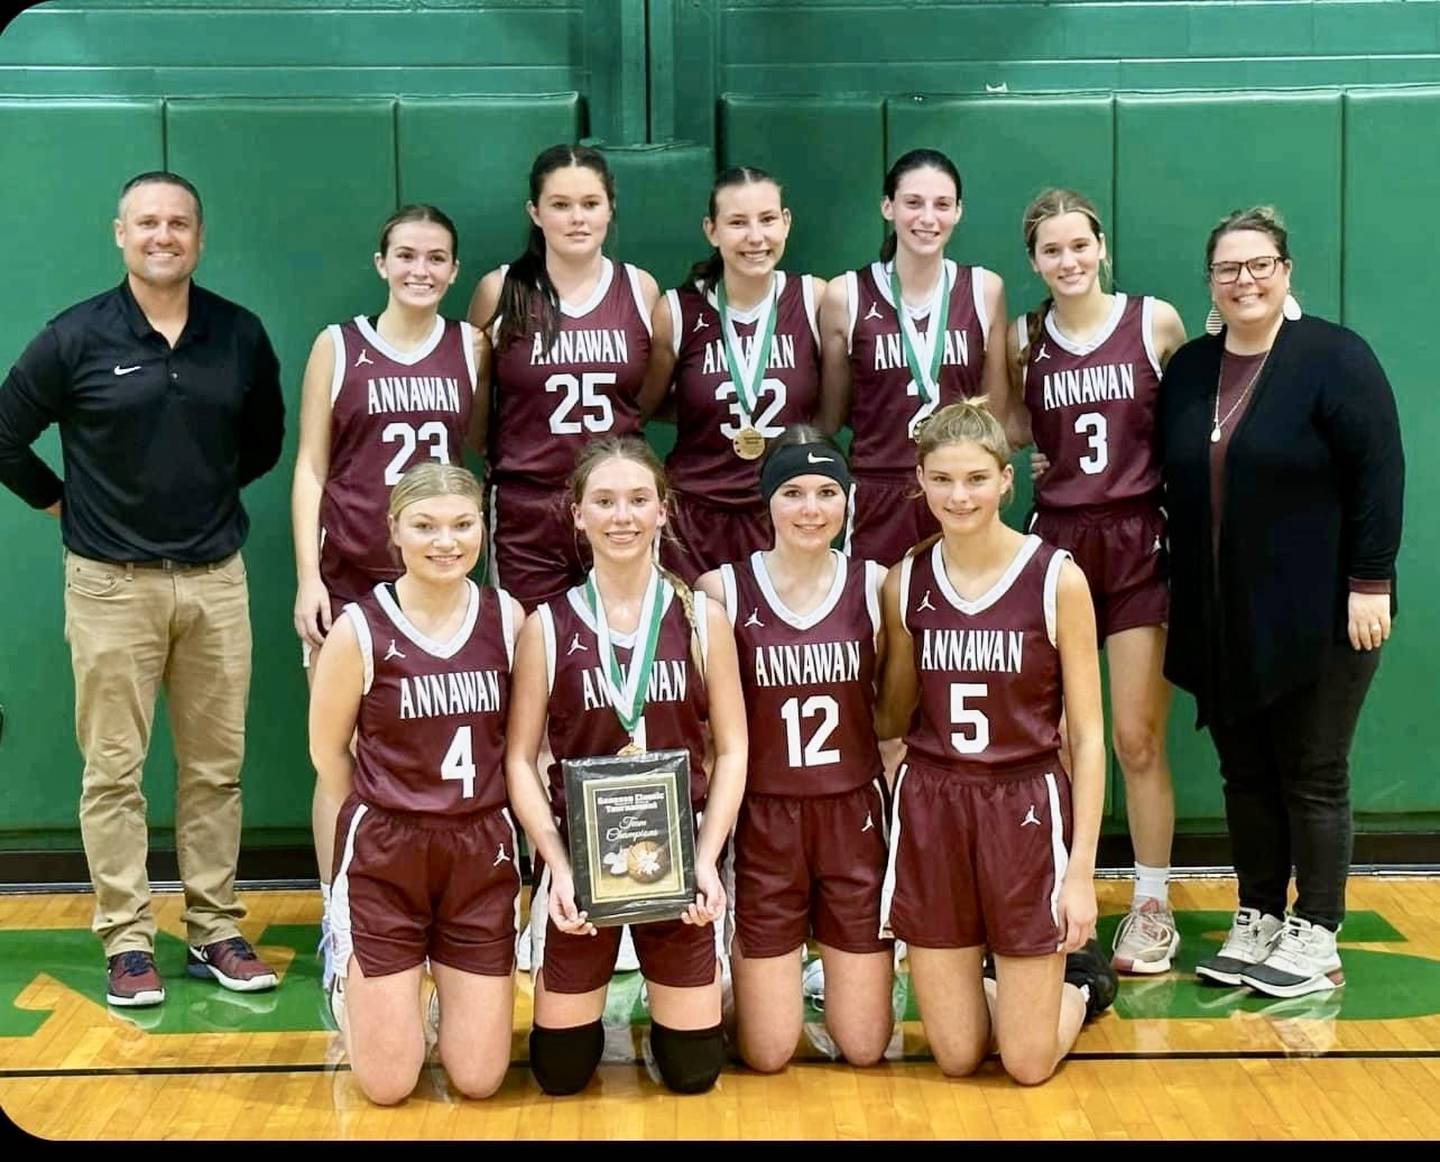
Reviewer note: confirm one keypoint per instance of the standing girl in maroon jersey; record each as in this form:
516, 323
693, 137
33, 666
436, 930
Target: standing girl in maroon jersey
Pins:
738, 346
571, 338
679, 655
990, 635
1085, 376
417, 672
381, 394
887, 370
810, 840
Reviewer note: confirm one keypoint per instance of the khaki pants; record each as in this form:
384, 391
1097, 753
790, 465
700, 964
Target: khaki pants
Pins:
130, 631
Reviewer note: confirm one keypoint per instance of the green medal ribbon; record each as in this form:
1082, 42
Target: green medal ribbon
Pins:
627, 692
926, 372
748, 375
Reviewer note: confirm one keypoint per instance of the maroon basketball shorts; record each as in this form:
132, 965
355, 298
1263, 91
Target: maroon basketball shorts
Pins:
888, 517
670, 952
537, 552
1120, 548
811, 863
704, 536
978, 857
408, 886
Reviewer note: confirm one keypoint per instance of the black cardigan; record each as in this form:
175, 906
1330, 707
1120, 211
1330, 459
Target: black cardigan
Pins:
1314, 487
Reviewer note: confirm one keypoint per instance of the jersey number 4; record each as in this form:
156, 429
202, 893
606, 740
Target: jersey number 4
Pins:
433, 434
458, 765
596, 414
815, 753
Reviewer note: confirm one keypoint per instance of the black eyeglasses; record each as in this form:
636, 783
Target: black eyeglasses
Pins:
1260, 268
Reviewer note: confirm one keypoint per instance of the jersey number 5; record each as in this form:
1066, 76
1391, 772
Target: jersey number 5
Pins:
432, 433
977, 738
596, 414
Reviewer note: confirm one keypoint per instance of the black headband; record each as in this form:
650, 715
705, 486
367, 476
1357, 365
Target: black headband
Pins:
802, 460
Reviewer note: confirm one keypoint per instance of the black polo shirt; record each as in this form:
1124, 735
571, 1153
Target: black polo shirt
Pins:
157, 442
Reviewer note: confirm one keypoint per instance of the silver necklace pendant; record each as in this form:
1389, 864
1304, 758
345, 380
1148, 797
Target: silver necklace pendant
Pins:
1215, 434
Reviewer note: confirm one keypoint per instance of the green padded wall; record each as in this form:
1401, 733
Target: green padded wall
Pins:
660, 193
1392, 187
826, 151
57, 223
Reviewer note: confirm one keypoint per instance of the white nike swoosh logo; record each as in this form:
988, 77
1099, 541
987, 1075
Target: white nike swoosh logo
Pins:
125, 370
811, 458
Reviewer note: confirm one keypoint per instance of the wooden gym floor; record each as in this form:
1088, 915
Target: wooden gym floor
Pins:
1172, 1060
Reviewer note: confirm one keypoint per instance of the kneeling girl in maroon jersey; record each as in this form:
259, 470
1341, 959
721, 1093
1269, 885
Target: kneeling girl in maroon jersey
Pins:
990, 636
423, 854
810, 839
563, 691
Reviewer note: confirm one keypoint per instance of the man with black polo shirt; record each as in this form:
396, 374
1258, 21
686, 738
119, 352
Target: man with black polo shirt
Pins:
168, 400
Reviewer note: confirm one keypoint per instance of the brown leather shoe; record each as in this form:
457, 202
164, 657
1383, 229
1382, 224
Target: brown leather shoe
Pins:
233, 963
133, 980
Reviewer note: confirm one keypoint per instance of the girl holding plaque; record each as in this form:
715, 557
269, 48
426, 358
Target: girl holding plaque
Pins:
631, 662
810, 839
991, 637
1085, 375
418, 672
887, 369
737, 351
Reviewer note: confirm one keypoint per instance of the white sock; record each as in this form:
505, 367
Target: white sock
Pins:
1152, 883
325, 899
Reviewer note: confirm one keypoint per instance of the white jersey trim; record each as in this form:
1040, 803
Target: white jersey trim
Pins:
702, 626
507, 623
873, 582
1147, 332
547, 632
801, 621
406, 358
1097, 340
492, 561
1022, 340
732, 596
343, 943
1060, 858
849, 541
602, 287
577, 603
337, 375
852, 307
1052, 592
749, 314
887, 889
907, 568
446, 649
515, 847
977, 293
807, 288
367, 647
995, 592
467, 341
677, 320
633, 275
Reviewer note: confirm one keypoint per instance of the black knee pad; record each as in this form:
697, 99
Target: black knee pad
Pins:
564, 1060
689, 1060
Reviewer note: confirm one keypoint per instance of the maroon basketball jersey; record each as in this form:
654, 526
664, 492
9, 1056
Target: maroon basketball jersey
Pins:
1092, 408
431, 731
581, 720
809, 679
885, 400
389, 410
707, 412
550, 404
988, 669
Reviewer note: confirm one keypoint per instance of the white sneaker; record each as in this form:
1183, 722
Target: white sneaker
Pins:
522, 949
812, 982
335, 993
626, 961
1252, 937
432, 1017
1146, 940
1304, 960
326, 949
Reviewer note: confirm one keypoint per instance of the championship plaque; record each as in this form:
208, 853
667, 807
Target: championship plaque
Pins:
632, 836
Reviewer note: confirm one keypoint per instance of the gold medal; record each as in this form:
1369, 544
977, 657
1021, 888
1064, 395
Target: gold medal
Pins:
919, 429
630, 750
749, 444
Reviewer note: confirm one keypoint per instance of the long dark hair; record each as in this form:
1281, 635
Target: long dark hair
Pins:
528, 290
915, 159
708, 271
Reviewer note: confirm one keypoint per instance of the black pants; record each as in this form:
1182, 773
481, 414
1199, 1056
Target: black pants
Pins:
1287, 791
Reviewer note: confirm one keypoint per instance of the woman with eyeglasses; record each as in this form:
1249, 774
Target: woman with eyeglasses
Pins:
1284, 481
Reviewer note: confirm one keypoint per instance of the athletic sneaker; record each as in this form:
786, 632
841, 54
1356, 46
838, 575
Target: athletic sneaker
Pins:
1304, 960
1089, 969
522, 949
432, 1017
336, 995
326, 949
1146, 940
812, 982
626, 960
233, 963
1252, 938
132, 980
